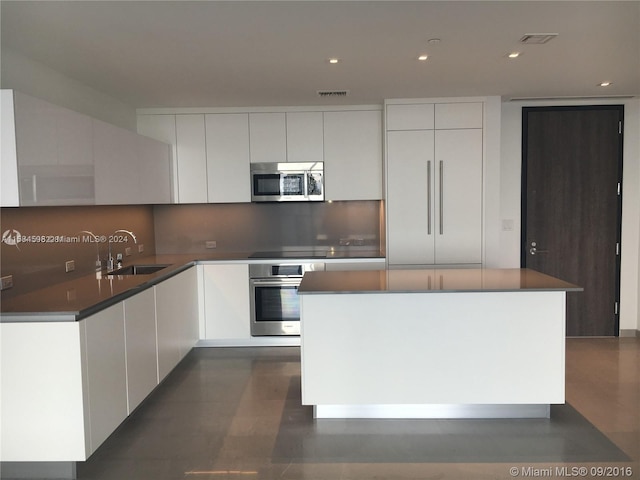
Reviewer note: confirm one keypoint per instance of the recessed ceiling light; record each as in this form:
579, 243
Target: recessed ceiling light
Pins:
422, 58
334, 60
434, 41
605, 84
514, 54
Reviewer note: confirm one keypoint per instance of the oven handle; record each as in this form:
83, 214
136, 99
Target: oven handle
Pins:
284, 282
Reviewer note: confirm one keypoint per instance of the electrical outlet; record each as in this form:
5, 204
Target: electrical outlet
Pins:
211, 244
127, 251
6, 282
141, 248
69, 266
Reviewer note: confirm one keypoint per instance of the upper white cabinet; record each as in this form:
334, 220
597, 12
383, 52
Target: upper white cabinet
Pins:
214, 151
305, 142
286, 137
415, 116
129, 168
434, 183
268, 137
55, 156
353, 155
191, 159
227, 139
54, 153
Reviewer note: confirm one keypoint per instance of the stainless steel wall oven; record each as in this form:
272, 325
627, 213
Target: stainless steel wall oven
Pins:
275, 307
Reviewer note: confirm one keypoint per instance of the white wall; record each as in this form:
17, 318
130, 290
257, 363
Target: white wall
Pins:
35, 79
511, 160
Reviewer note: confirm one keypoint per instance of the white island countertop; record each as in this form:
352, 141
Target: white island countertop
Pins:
432, 280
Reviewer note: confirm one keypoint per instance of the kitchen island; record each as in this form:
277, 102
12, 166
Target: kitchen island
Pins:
433, 343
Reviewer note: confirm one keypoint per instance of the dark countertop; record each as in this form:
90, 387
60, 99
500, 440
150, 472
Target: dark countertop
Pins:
77, 299
431, 281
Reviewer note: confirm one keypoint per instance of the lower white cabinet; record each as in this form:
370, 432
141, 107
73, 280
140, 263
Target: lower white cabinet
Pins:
176, 319
106, 372
141, 346
66, 386
226, 302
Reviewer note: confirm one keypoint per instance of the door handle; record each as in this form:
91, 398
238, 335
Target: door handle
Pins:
534, 249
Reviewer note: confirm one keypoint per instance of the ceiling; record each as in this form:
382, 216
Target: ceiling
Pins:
241, 53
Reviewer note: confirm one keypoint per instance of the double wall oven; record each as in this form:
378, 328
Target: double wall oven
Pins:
275, 307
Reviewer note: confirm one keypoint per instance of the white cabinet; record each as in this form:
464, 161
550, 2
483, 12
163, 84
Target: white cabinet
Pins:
129, 168
9, 193
177, 319
191, 159
226, 302
268, 138
412, 116
117, 176
305, 142
353, 155
434, 184
458, 238
141, 348
286, 137
228, 164
53, 152
106, 372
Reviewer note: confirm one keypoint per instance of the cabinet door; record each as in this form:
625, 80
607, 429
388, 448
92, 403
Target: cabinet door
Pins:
458, 155
75, 138
106, 372
163, 128
116, 170
36, 131
458, 115
353, 155
154, 167
304, 137
191, 159
142, 354
226, 301
410, 187
228, 158
177, 319
268, 137
9, 196
415, 116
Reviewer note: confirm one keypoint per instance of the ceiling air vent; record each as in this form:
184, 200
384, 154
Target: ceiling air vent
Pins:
537, 38
333, 93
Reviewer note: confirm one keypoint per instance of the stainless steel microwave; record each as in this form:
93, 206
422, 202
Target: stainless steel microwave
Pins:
287, 182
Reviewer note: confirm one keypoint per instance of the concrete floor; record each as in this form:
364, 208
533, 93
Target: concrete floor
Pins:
235, 413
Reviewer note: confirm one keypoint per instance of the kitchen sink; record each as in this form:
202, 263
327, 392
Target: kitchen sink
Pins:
138, 269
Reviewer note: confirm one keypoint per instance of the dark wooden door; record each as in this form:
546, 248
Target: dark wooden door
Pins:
571, 207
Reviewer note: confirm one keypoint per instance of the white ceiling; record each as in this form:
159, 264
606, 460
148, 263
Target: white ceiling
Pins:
239, 53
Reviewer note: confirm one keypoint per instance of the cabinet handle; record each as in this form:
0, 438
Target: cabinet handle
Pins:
429, 197
441, 197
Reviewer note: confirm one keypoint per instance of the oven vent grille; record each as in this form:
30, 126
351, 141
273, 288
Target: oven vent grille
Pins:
537, 38
333, 93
